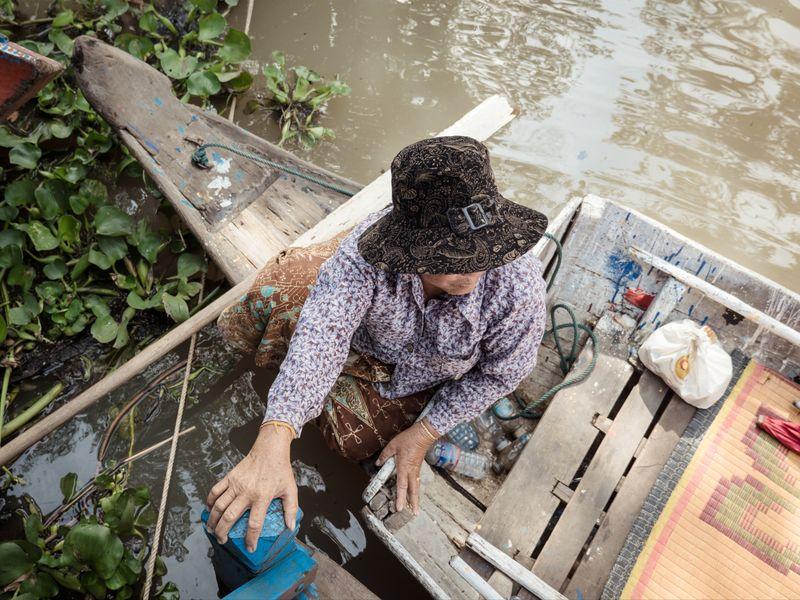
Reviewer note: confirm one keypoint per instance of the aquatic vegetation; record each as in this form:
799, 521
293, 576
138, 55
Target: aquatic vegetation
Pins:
70, 260
99, 552
298, 100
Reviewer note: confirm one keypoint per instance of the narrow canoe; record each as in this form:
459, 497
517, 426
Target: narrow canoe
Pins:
22, 74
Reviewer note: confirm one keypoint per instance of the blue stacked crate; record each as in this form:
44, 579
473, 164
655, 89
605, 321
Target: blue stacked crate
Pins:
279, 568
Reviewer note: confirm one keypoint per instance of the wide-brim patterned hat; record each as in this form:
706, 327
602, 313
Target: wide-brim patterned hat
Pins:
447, 215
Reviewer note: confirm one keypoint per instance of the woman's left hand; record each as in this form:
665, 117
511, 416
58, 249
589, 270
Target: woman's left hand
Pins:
408, 448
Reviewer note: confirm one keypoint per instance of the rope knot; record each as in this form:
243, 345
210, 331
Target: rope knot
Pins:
200, 158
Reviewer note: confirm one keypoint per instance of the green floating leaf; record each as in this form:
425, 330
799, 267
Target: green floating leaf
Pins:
59, 129
69, 485
177, 67
42, 238
19, 315
72, 172
21, 275
69, 229
12, 238
64, 18
115, 248
20, 192
14, 563
50, 291
8, 213
205, 5
51, 199
211, 27
99, 259
203, 84
137, 45
236, 46
26, 155
8, 139
149, 22
56, 269
121, 341
240, 83
96, 304
94, 191
62, 41
149, 243
176, 307
110, 220
104, 329
94, 585
33, 527
189, 264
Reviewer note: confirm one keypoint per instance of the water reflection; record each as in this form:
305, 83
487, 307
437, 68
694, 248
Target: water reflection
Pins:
225, 405
684, 110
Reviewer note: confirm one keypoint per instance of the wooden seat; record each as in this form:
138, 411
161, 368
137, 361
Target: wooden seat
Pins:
567, 505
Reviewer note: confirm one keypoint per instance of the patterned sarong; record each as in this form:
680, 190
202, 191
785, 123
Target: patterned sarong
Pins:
356, 421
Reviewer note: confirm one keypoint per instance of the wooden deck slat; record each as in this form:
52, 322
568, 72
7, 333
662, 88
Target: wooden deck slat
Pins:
521, 509
599, 481
591, 575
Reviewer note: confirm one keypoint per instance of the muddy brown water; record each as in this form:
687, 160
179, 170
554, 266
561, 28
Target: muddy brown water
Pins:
687, 111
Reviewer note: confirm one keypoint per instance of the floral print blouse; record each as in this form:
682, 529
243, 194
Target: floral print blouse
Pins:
473, 348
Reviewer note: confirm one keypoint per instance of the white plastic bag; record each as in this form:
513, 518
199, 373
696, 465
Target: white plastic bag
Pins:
690, 360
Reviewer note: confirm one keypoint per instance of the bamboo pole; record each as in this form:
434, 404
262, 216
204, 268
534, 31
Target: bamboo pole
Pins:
481, 122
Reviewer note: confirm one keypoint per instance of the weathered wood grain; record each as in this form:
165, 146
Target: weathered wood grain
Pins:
592, 573
599, 481
22, 74
520, 511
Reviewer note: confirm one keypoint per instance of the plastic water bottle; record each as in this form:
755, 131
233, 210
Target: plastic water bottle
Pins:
509, 454
504, 409
450, 457
464, 436
488, 428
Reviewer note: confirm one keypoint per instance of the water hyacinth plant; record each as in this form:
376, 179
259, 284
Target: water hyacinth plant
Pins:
298, 99
98, 551
70, 260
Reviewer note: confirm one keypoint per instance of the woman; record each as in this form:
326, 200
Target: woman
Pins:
435, 299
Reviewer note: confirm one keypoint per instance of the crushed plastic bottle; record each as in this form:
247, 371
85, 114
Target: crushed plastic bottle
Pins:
510, 453
450, 457
464, 436
488, 428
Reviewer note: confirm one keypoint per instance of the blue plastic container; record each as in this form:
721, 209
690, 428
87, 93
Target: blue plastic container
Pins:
464, 436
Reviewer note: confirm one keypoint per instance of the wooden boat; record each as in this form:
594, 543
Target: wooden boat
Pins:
243, 213
607, 248
582, 479
22, 74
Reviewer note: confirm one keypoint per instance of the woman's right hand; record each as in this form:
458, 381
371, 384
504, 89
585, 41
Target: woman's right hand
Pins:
265, 473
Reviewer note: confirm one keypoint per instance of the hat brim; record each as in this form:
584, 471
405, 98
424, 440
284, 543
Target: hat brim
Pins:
393, 247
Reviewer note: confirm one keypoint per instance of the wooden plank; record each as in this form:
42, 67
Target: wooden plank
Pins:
228, 257
502, 562
721, 296
668, 297
22, 74
403, 555
599, 481
432, 549
478, 583
591, 575
520, 511
334, 582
